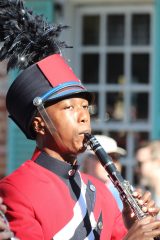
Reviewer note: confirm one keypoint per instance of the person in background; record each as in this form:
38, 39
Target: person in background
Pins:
142, 156
47, 197
148, 158
91, 165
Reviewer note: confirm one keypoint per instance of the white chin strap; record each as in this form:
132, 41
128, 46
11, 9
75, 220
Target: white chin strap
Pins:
42, 111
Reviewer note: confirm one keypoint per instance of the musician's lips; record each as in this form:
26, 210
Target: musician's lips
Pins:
82, 134
85, 132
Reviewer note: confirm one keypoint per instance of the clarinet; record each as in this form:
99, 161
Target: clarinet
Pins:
123, 186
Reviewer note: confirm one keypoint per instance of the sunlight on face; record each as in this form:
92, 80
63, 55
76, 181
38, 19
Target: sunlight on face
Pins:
71, 119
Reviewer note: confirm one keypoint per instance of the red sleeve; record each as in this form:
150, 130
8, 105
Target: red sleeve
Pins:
20, 214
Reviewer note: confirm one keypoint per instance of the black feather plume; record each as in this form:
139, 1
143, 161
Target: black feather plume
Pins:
27, 38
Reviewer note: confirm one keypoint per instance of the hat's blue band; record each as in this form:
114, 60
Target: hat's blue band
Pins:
61, 88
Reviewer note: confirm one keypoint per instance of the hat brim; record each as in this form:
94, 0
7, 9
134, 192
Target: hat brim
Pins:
71, 93
121, 151
65, 90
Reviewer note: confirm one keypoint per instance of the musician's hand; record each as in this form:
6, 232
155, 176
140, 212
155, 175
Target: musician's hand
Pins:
5, 233
147, 204
145, 200
3, 207
145, 229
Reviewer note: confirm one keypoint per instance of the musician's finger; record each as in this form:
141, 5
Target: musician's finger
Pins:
6, 235
3, 225
137, 193
150, 204
147, 197
153, 210
3, 208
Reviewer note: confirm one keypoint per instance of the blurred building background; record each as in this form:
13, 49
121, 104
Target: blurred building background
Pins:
116, 53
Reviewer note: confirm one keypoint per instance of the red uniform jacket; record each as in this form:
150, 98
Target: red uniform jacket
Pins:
49, 199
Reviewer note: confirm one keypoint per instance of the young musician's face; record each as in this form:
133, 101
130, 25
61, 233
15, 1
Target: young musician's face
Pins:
71, 120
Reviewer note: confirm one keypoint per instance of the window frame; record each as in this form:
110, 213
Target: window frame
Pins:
131, 128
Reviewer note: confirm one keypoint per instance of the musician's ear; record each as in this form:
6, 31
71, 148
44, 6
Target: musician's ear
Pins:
38, 125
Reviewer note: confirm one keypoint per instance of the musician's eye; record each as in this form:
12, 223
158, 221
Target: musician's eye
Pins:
86, 106
70, 107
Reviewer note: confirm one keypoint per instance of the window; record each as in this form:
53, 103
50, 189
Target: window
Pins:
114, 56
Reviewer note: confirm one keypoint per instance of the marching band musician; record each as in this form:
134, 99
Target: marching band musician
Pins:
47, 197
